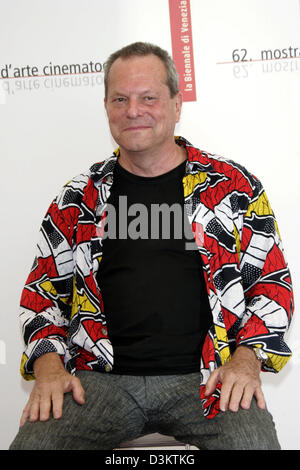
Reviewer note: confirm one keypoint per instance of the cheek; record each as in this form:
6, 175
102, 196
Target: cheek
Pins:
114, 119
166, 121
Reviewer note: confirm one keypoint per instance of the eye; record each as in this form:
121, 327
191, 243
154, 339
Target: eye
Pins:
149, 99
120, 99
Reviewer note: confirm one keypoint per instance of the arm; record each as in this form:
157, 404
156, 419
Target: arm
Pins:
267, 283
268, 306
46, 305
47, 298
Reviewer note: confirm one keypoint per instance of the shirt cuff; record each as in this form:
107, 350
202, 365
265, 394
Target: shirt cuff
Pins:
37, 349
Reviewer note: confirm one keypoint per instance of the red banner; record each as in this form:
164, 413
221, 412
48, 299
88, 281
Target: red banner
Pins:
182, 46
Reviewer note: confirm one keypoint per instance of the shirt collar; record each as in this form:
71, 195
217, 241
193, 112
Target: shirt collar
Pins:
196, 161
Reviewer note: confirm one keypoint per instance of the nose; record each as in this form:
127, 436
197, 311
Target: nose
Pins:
133, 108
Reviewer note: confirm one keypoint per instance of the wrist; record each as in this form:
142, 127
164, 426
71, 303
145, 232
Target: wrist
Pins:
258, 353
49, 361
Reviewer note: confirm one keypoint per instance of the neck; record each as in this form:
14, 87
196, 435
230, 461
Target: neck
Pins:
154, 164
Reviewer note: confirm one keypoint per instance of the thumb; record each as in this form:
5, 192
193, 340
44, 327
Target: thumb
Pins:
77, 390
212, 382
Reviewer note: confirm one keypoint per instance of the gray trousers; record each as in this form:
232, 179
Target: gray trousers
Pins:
121, 408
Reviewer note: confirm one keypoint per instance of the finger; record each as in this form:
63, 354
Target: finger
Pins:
25, 415
247, 397
226, 390
212, 382
237, 393
34, 410
261, 403
78, 391
57, 404
45, 407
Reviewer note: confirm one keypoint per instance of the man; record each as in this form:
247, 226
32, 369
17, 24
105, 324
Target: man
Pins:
120, 319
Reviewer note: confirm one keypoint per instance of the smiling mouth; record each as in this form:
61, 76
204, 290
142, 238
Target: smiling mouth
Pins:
136, 128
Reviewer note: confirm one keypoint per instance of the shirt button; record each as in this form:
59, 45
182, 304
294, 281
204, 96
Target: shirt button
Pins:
107, 368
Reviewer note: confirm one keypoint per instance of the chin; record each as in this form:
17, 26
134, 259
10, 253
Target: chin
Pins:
135, 148
135, 145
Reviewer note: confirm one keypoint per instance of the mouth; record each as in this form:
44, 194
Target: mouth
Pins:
136, 128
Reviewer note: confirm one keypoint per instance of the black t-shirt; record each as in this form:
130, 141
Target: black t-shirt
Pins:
153, 289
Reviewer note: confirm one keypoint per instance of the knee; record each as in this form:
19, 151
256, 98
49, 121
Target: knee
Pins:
33, 436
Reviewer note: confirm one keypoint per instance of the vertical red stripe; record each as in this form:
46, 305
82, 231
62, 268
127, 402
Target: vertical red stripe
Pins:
182, 46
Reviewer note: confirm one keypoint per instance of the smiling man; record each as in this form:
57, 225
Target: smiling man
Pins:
127, 335
142, 115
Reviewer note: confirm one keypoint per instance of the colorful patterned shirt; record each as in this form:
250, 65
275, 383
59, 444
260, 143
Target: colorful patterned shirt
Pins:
247, 278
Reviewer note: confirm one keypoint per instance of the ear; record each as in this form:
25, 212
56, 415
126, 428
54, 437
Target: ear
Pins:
178, 104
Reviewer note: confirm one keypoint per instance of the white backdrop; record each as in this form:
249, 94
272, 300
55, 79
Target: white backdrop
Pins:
54, 127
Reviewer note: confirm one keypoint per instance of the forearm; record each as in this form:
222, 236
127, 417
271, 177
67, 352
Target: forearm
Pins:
46, 299
266, 282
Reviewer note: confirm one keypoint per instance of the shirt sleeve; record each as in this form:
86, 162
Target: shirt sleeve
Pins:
266, 282
46, 300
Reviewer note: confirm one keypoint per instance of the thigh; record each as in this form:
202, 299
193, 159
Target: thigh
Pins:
252, 429
108, 417
181, 416
178, 412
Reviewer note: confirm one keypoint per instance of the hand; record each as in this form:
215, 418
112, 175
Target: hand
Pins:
240, 379
52, 382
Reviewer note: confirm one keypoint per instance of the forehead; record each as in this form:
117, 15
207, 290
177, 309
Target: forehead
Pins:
137, 71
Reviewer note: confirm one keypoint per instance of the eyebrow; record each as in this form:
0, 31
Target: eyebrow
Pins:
142, 92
